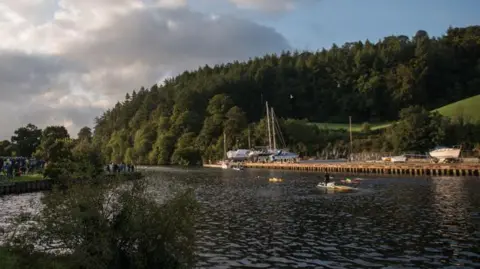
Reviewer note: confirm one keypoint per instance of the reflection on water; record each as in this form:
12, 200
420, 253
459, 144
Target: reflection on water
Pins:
247, 221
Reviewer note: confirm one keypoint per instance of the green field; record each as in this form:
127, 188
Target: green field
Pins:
466, 108
356, 127
29, 177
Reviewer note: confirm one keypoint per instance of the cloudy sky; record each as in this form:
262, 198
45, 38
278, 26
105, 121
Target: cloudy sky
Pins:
66, 61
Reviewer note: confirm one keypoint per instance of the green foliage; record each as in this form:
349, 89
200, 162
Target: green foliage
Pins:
53, 144
369, 81
87, 160
85, 134
20, 259
418, 130
163, 149
108, 225
6, 148
26, 140
187, 156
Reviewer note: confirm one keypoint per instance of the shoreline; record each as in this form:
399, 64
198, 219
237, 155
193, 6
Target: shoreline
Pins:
411, 169
20, 187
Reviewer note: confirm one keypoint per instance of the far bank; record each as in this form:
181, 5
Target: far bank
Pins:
414, 169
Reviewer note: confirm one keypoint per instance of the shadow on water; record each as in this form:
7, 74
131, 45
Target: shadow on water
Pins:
247, 221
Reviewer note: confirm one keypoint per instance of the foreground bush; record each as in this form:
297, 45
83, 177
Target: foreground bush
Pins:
109, 225
20, 259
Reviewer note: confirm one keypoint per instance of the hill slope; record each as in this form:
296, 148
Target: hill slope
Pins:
468, 109
188, 114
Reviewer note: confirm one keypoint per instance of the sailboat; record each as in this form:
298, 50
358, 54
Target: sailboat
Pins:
444, 154
272, 153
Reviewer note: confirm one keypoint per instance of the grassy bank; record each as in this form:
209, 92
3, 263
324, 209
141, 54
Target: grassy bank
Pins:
29, 177
466, 108
356, 127
23, 178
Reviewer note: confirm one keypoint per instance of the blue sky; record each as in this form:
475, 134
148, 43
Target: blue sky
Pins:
313, 26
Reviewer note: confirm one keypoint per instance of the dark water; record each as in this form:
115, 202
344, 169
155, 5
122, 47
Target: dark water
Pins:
247, 221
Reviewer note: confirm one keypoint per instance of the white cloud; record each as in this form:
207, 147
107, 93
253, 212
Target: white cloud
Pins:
269, 5
66, 61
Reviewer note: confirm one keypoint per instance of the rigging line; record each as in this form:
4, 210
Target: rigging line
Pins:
282, 140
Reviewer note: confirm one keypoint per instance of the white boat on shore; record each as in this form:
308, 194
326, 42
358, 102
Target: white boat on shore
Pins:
442, 154
395, 159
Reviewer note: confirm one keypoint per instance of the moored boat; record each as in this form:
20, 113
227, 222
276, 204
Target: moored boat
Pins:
332, 186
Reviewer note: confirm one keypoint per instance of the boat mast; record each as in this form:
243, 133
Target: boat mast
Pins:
224, 146
249, 144
268, 128
273, 130
351, 139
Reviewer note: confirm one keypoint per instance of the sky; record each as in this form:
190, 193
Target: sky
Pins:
64, 62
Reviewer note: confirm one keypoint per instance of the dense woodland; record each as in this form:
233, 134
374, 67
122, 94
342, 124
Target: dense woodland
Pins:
185, 117
183, 120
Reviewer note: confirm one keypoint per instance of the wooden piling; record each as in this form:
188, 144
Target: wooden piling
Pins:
413, 169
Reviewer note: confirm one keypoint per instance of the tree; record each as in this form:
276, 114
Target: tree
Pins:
417, 130
26, 140
52, 144
219, 104
236, 122
5, 148
85, 134
87, 160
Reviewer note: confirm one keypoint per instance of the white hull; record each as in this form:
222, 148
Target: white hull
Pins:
224, 165
330, 185
399, 159
395, 159
445, 153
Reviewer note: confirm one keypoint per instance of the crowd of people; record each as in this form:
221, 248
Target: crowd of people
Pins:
118, 168
18, 166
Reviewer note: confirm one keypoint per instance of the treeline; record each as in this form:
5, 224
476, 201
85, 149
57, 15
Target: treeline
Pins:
65, 158
184, 119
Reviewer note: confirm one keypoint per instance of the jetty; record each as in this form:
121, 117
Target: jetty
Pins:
411, 169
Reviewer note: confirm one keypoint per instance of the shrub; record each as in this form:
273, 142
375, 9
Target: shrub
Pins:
112, 225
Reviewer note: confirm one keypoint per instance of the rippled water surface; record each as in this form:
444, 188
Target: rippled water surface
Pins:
248, 222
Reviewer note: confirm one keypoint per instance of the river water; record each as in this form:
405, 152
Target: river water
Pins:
248, 222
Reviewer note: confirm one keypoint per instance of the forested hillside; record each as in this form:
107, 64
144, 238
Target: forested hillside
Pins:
184, 118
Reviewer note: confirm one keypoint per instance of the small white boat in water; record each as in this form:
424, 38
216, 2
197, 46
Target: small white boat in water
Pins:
224, 165
332, 186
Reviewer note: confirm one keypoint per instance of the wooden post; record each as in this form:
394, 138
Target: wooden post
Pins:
351, 139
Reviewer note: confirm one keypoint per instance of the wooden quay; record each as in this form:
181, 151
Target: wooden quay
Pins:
411, 169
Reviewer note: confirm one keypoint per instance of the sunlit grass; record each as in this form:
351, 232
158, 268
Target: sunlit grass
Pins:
356, 127
466, 108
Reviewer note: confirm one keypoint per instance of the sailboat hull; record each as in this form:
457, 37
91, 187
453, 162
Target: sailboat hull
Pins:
445, 153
